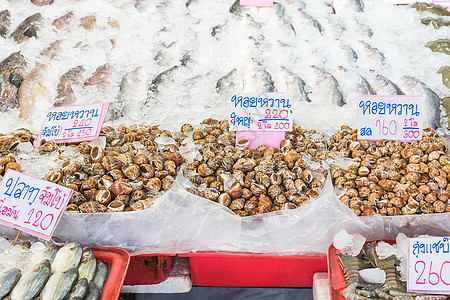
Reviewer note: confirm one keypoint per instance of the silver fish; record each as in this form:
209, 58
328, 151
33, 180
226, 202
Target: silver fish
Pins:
80, 289
66, 95
230, 83
330, 85
32, 90
300, 20
132, 94
431, 106
343, 5
88, 264
384, 86
351, 54
258, 79
163, 76
42, 2
28, 28
373, 53
295, 86
49, 253
93, 292
102, 76
280, 12
101, 275
5, 22
298, 4
59, 285
216, 31
11, 77
32, 282
360, 28
68, 256
8, 280
353, 84
237, 9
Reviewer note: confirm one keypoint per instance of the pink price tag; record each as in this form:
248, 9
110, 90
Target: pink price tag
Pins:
260, 3
72, 124
32, 205
255, 138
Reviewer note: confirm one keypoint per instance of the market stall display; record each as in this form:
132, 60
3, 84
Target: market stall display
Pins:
188, 185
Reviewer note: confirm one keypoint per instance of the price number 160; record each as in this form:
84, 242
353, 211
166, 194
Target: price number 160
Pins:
385, 128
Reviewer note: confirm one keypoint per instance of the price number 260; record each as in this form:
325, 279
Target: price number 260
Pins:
433, 278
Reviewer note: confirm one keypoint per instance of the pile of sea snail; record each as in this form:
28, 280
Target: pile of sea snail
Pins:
8, 144
255, 181
126, 175
392, 177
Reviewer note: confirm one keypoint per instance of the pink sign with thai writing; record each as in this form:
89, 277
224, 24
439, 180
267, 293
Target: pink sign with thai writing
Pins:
256, 138
429, 265
259, 3
72, 124
32, 205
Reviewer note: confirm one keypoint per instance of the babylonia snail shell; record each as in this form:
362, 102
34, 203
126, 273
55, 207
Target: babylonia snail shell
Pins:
141, 204
120, 188
97, 153
116, 206
103, 196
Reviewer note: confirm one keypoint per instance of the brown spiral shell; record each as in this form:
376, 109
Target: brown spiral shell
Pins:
92, 207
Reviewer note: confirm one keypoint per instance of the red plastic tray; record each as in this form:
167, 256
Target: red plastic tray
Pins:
253, 270
149, 269
336, 274
117, 261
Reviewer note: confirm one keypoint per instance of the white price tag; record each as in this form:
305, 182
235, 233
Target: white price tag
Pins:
389, 117
70, 124
429, 265
260, 112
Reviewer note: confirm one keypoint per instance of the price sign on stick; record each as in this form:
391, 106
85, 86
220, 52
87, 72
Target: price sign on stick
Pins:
32, 205
389, 117
70, 124
258, 3
429, 265
261, 118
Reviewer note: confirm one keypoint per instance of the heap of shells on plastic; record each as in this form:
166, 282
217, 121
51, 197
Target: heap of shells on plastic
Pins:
8, 143
392, 177
255, 181
127, 174
131, 169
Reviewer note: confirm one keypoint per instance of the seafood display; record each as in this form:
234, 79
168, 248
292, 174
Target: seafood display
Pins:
192, 57
126, 170
37, 270
392, 177
125, 175
391, 265
255, 181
